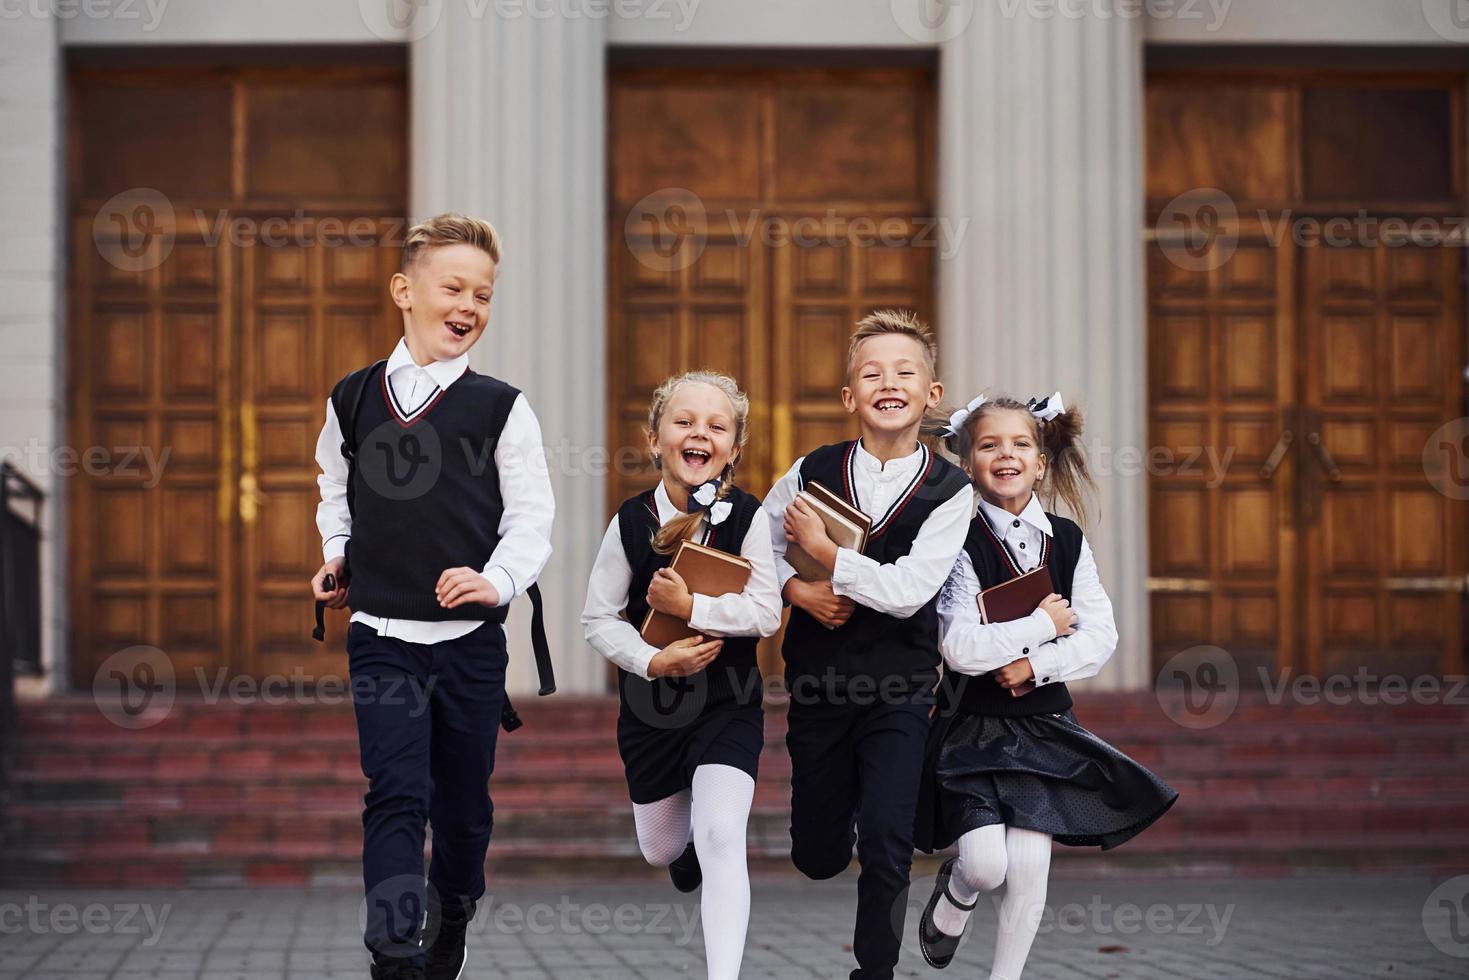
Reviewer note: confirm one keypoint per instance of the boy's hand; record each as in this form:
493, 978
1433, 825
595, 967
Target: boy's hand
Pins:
1014, 674
337, 598
668, 593
817, 598
805, 527
460, 585
684, 657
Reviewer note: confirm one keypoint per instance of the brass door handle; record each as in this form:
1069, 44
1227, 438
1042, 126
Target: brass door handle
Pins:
1323, 456
250, 497
1277, 455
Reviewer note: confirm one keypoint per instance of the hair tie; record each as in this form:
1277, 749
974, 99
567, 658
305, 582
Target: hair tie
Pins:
705, 497
957, 420
1046, 409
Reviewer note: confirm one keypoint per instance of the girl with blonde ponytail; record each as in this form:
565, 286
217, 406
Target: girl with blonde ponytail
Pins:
691, 720
1009, 768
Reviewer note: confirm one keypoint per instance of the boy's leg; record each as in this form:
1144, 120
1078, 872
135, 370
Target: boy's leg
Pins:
890, 741
468, 692
390, 700
823, 786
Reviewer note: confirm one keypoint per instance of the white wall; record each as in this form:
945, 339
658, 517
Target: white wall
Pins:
31, 318
1379, 22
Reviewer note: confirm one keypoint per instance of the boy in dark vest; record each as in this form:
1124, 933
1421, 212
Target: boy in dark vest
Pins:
435, 500
861, 648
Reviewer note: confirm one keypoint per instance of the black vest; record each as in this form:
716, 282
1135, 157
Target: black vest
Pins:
899, 655
425, 495
732, 677
980, 694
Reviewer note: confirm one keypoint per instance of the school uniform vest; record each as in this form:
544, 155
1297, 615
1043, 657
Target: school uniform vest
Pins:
993, 565
424, 495
872, 645
733, 676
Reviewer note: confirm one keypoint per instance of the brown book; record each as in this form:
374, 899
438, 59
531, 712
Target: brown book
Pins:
706, 571
1016, 599
845, 525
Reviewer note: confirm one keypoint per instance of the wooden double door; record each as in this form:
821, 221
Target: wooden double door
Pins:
1306, 359
231, 239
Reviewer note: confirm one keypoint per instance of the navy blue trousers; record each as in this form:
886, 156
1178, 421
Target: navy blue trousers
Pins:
427, 718
855, 771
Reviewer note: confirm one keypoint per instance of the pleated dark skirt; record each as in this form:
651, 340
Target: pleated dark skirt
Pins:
1041, 772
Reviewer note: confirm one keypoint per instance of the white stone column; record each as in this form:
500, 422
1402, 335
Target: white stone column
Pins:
508, 124
1040, 150
32, 323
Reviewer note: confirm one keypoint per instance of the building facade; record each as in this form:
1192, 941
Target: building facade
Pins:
1020, 164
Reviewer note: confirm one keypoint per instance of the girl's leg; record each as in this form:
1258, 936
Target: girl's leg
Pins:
721, 809
1029, 866
980, 868
664, 828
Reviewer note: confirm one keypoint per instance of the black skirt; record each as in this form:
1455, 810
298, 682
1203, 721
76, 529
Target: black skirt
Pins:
1041, 772
659, 761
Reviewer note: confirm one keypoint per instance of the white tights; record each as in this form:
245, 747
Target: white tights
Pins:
988, 856
712, 814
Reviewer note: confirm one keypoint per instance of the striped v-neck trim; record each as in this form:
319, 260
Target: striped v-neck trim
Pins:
406, 418
1004, 551
849, 479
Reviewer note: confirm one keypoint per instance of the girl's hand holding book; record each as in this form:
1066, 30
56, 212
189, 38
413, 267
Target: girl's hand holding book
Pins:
669, 593
684, 657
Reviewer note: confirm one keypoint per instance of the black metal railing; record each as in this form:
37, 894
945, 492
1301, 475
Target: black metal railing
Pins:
20, 595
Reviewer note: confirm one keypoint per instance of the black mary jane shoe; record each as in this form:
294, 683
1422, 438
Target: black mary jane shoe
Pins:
685, 871
939, 947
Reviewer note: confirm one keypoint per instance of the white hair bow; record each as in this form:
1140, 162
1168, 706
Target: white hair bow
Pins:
1046, 409
957, 420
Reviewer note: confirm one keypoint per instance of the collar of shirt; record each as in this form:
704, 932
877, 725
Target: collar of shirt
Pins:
666, 510
442, 373
1003, 521
903, 467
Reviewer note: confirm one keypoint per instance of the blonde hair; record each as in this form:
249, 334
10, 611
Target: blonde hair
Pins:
450, 229
1059, 441
667, 538
903, 322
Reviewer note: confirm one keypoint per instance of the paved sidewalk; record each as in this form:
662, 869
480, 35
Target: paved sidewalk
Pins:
1329, 928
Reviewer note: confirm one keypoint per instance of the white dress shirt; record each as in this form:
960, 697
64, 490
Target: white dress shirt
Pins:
972, 647
903, 587
525, 487
753, 612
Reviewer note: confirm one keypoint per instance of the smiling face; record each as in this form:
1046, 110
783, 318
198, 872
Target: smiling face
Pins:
1005, 456
890, 386
445, 299
696, 434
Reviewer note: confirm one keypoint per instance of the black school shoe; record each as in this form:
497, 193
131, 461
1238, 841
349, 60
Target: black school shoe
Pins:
685, 870
939, 947
446, 955
395, 968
